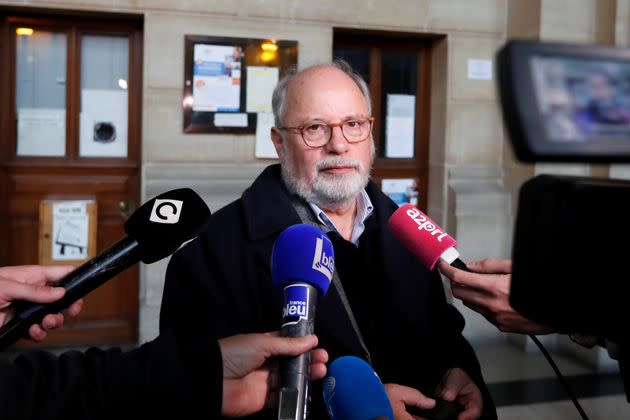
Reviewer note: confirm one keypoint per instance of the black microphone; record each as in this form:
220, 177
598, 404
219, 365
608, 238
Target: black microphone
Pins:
302, 264
154, 231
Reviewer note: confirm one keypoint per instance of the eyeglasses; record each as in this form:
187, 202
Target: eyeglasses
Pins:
318, 134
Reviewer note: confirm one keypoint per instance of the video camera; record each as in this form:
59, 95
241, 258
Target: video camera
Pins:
570, 103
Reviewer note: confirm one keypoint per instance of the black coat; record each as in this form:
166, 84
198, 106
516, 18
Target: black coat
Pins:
167, 377
225, 273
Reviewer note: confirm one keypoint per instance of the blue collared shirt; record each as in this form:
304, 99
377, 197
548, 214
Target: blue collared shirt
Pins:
364, 210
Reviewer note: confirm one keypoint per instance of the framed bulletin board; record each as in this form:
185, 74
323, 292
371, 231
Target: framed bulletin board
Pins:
67, 231
228, 81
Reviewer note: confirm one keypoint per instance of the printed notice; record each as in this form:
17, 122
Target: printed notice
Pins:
70, 231
479, 69
217, 78
264, 145
260, 84
399, 126
41, 132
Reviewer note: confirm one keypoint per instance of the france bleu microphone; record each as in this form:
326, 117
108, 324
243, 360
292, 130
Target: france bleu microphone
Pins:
302, 265
154, 231
424, 238
353, 391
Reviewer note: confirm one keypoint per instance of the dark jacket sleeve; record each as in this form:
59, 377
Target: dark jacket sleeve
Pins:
164, 377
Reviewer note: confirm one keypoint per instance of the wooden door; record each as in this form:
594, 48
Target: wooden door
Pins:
395, 64
35, 165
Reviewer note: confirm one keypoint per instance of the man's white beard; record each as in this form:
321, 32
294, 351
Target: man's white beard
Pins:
329, 191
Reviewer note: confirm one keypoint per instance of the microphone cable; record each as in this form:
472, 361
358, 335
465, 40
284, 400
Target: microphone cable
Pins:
561, 378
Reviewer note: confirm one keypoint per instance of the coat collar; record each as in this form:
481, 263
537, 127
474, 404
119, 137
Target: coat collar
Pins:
267, 205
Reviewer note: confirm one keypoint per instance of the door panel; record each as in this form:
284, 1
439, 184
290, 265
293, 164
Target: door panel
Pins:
110, 313
399, 64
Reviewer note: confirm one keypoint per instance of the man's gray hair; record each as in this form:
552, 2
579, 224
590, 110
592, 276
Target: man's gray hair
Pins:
279, 98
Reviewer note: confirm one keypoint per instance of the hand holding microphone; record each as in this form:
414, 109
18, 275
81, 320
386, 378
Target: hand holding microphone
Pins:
483, 286
486, 290
34, 283
247, 367
302, 265
154, 231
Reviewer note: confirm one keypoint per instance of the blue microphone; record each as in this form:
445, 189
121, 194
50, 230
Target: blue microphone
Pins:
353, 391
302, 265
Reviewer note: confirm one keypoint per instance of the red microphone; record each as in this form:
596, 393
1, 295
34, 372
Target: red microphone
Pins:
424, 238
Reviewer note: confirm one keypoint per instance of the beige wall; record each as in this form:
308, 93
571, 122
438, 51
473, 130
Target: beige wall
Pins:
473, 174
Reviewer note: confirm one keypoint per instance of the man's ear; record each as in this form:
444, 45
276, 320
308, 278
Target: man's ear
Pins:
276, 138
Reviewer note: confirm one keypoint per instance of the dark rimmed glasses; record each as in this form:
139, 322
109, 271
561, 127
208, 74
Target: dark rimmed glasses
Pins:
318, 134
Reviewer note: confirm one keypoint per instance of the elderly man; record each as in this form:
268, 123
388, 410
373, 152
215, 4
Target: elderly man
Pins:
386, 308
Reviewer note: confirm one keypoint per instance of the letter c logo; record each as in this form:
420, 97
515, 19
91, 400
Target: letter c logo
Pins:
166, 211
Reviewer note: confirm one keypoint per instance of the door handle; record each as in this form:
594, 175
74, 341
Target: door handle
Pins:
126, 207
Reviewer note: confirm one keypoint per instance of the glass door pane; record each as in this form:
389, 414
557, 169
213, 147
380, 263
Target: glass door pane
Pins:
359, 59
40, 90
104, 99
399, 87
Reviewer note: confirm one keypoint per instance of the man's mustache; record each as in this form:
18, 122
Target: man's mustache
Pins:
331, 163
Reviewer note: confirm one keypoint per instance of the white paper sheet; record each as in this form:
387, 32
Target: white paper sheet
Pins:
264, 145
225, 119
41, 132
479, 69
102, 110
260, 84
400, 126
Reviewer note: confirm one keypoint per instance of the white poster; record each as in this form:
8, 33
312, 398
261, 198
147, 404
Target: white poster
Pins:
260, 84
103, 121
400, 126
41, 132
70, 230
264, 146
216, 78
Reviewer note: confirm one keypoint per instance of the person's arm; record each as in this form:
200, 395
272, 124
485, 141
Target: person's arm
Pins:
164, 377
34, 283
486, 290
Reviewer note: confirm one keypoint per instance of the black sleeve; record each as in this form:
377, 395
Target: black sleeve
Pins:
164, 377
